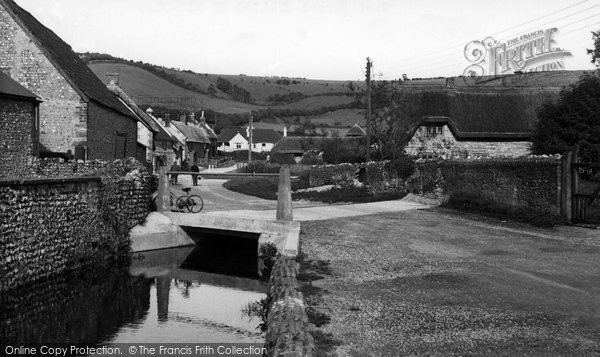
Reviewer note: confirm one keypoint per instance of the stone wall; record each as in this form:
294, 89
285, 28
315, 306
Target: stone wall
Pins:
532, 183
18, 135
445, 145
377, 175
62, 112
288, 329
110, 134
52, 225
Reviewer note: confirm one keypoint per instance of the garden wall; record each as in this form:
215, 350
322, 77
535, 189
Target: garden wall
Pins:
533, 183
378, 175
288, 332
65, 219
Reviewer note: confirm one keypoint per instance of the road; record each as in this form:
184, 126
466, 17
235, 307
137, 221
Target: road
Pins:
434, 282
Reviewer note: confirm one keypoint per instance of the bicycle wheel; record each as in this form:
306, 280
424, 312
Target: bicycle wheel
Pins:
196, 203
183, 204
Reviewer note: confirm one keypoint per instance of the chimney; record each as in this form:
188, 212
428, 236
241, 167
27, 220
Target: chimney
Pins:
193, 118
167, 119
113, 78
284, 131
183, 118
202, 118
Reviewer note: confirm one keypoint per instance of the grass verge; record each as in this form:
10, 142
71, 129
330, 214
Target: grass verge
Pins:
348, 194
266, 188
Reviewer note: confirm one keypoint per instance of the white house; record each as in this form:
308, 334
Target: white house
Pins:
232, 139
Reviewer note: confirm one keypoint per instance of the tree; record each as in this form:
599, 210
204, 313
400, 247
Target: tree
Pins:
394, 111
595, 52
573, 120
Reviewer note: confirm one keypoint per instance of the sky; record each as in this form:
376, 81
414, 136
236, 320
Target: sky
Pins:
316, 39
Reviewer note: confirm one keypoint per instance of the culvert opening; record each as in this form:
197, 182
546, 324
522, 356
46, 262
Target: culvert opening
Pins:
223, 252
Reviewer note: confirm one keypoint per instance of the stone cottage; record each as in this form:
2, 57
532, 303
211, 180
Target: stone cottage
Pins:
146, 127
19, 125
444, 137
78, 114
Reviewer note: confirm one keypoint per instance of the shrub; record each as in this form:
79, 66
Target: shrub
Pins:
260, 167
404, 166
285, 159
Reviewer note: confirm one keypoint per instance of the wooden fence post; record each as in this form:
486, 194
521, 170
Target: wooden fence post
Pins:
566, 186
163, 200
284, 196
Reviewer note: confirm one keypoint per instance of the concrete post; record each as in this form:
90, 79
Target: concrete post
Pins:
284, 195
566, 187
163, 202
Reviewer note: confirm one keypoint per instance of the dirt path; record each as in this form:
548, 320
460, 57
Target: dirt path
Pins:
437, 283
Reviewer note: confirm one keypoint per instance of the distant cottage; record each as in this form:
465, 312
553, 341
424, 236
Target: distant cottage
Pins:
19, 125
78, 114
199, 139
263, 140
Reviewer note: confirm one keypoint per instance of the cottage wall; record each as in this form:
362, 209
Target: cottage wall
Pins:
63, 112
18, 137
445, 144
145, 137
110, 135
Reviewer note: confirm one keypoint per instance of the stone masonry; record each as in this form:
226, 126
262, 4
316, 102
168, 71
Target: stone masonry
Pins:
18, 137
62, 112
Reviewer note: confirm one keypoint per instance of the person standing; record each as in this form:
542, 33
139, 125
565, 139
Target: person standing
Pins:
174, 168
195, 168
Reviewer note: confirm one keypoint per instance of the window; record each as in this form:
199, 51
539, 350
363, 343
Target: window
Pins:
238, 145
434, 130
254, 146
264, 144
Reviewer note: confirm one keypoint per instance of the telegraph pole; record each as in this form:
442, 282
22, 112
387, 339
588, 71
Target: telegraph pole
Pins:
250, 139
369, 65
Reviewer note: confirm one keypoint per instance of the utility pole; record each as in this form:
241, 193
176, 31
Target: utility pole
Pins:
250, 139
369, 65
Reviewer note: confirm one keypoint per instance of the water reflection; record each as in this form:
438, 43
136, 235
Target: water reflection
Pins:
83, 309
191, 294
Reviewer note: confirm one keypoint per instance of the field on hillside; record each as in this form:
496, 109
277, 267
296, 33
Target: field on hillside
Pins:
552, 79
311, 103
147, 89
262, 88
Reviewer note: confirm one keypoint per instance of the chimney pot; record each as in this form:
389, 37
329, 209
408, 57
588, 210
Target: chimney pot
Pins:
113, 78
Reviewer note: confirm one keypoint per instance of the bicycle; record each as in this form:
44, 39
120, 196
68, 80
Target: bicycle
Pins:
189, 203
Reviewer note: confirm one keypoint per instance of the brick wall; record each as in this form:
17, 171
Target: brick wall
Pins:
18, 136
62, 113
52, 225
105, 127
445, 145
531, 183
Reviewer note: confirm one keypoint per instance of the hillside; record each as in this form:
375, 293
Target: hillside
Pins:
147, 89
263, 88
227, 99
184, 91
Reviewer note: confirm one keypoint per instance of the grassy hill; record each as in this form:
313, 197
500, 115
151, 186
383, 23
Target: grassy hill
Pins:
262, 88
228, 99
147, 89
